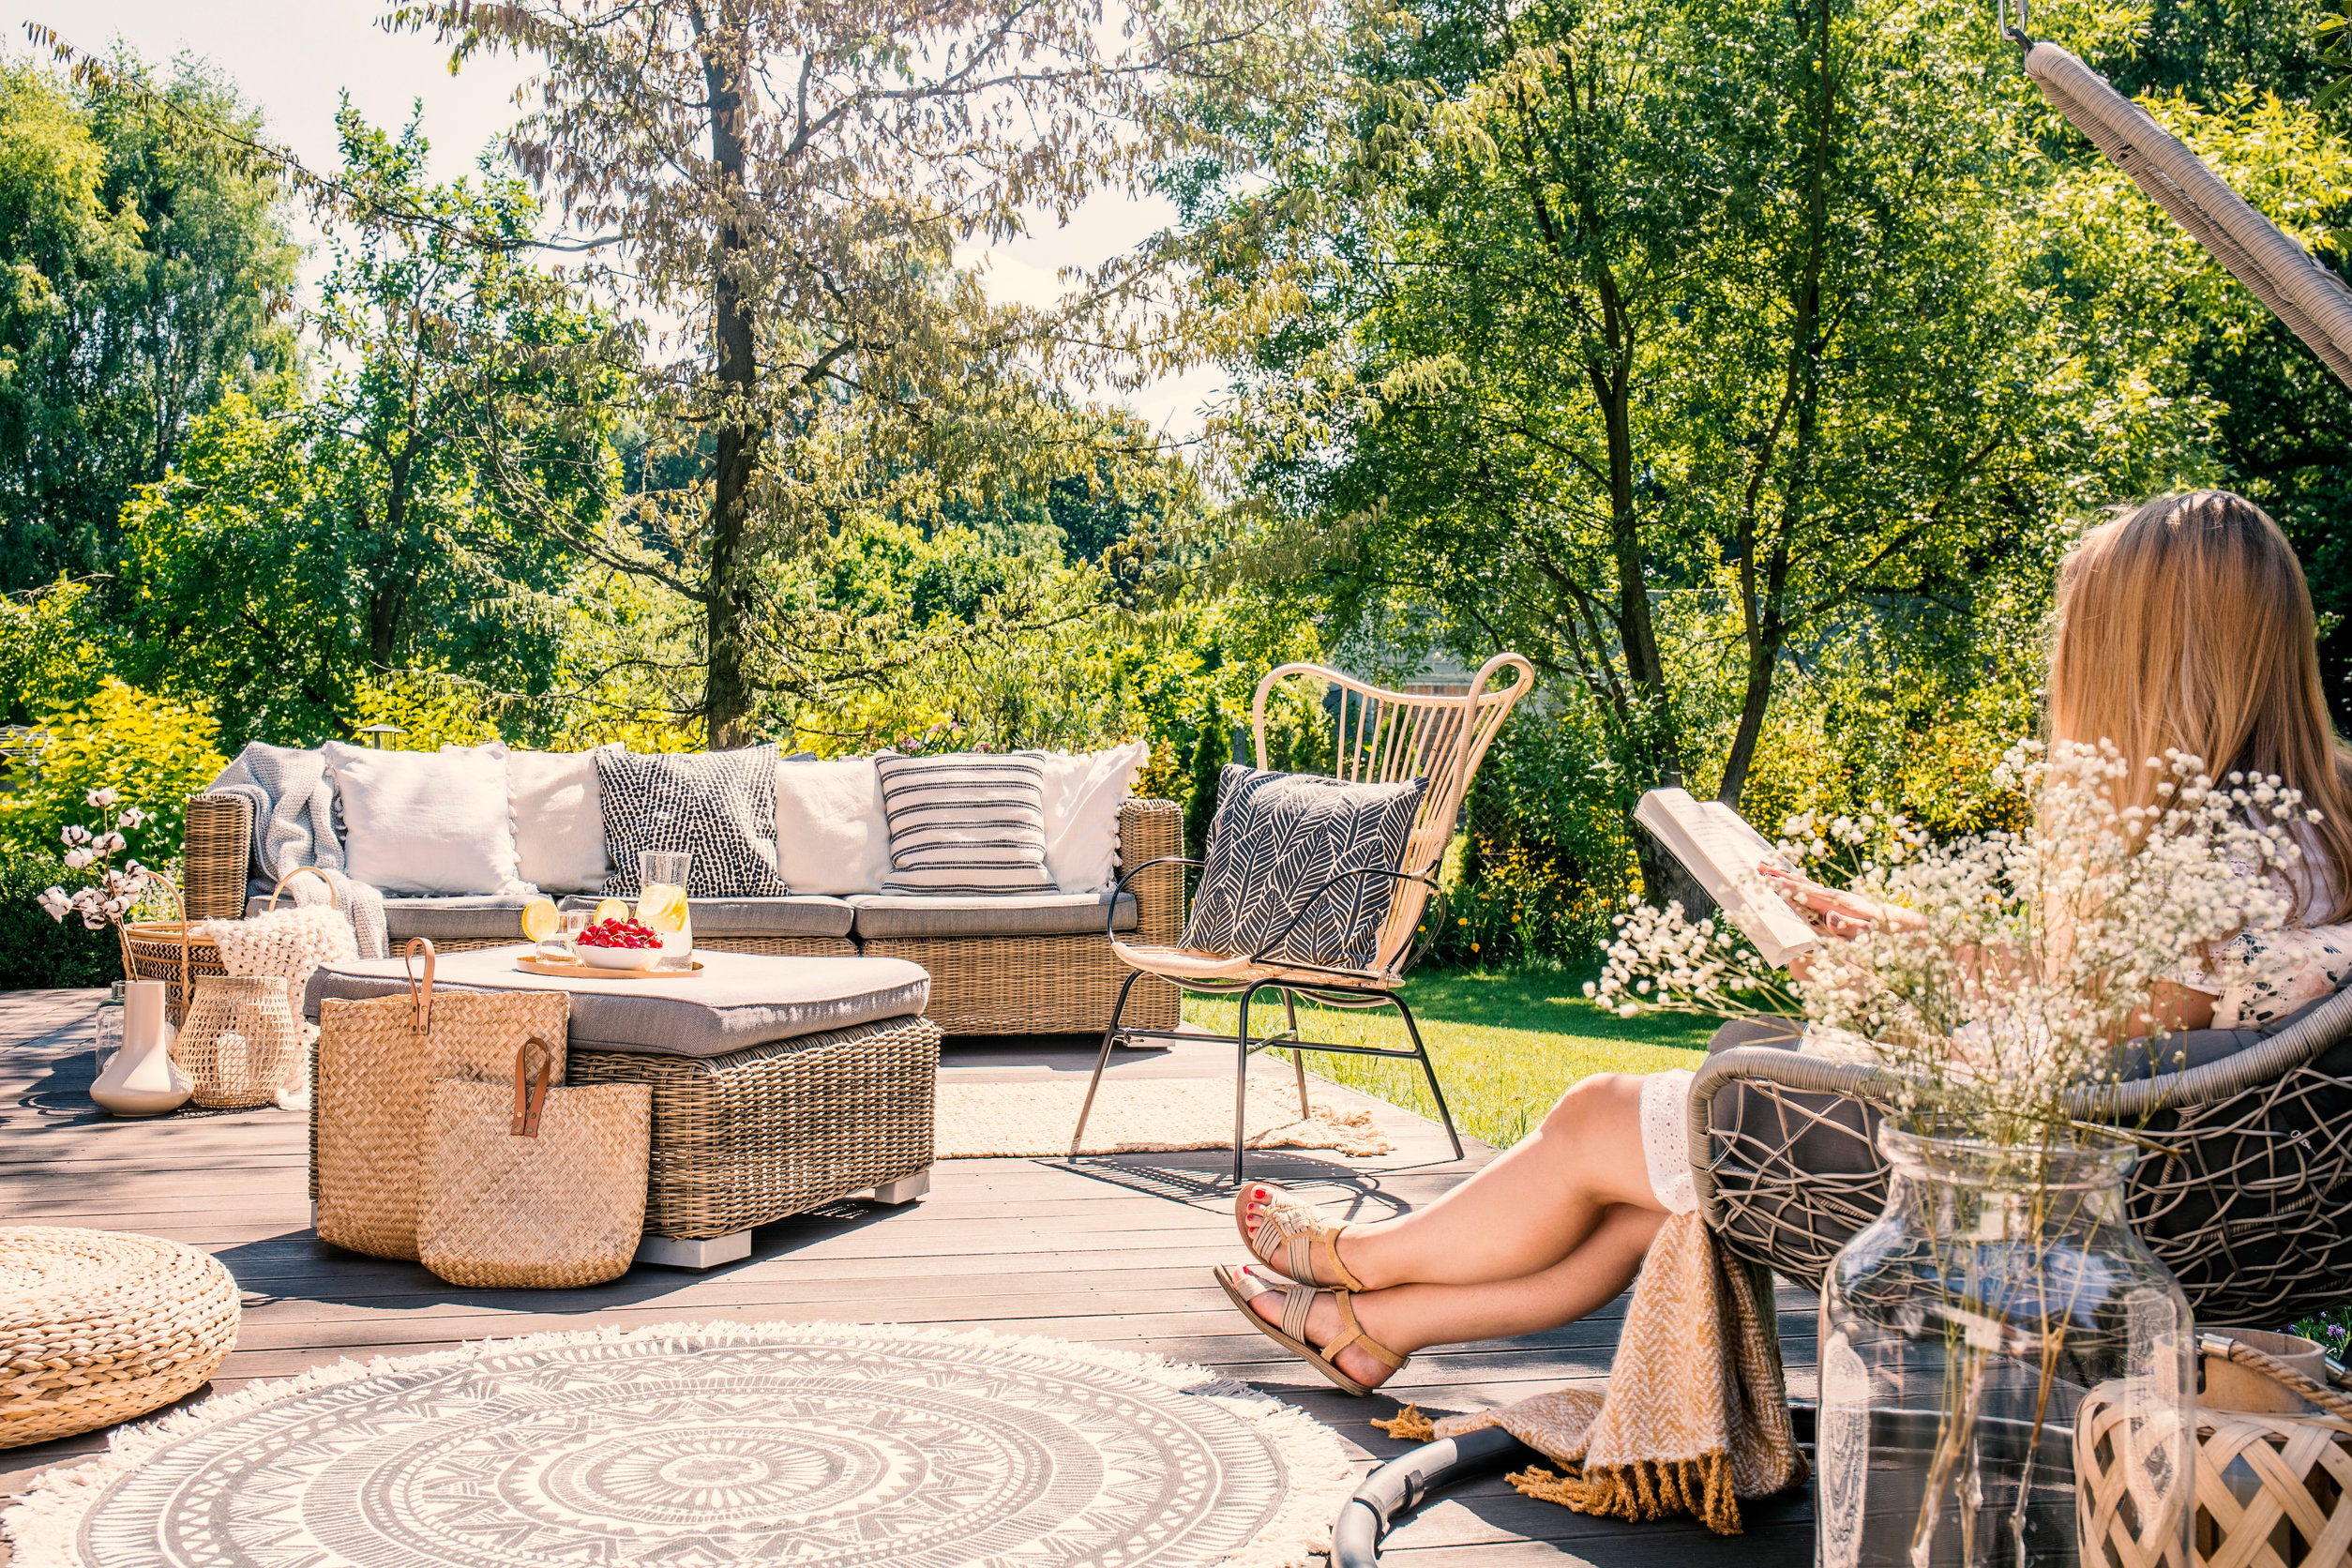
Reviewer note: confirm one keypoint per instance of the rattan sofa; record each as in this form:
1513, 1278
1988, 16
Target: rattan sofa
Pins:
1005, 966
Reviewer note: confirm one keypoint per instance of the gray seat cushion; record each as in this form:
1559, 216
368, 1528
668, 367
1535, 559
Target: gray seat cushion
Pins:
1012, 914
738, 1001
472, 917
802, 914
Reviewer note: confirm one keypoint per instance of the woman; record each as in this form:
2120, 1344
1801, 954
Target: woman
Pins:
2186, 624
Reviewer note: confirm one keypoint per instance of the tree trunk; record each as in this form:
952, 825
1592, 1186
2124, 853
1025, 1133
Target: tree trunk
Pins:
727, 692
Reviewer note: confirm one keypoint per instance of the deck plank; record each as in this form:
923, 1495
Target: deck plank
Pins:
1112, 1252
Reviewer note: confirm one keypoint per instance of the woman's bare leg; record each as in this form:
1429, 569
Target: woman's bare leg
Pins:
1531, 1210
1407, 1317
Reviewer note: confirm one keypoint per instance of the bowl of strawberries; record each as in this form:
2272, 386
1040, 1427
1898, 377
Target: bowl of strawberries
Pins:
618, 944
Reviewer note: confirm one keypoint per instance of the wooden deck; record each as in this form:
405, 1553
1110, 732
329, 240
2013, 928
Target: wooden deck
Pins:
1115, 1253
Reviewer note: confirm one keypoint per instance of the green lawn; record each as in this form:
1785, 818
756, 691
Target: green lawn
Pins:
1506, 1044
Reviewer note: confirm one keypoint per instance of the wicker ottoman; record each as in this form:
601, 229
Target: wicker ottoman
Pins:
779, 1082
98, 1326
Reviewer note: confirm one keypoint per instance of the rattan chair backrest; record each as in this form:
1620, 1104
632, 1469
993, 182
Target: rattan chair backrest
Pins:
1386, 737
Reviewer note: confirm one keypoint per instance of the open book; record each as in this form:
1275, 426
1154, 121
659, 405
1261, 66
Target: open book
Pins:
1719, 848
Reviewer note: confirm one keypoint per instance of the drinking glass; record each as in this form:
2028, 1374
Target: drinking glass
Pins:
661, 903
560, 946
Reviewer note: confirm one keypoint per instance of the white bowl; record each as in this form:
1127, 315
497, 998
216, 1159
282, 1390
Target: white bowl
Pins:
618, 957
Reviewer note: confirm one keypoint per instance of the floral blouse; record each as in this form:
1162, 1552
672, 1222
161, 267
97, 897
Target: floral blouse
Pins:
2258, 976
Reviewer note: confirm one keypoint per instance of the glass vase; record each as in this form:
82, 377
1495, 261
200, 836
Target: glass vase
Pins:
108, 1031
1961, 1333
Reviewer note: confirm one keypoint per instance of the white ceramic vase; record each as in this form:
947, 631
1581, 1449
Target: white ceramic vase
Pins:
143, 1079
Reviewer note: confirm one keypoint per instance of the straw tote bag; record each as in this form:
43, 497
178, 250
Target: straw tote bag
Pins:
541, 1187
377, 1060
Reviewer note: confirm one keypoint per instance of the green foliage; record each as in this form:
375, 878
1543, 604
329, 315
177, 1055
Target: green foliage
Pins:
53, 649
36, 950
153, 752
145, 271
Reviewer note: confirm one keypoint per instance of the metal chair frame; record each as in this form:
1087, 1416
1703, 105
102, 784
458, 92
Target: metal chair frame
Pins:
1389, 734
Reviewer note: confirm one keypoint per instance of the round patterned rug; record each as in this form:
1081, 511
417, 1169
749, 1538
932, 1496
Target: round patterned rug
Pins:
819, 1445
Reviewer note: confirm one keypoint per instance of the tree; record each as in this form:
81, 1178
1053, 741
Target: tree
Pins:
1638, 318
792, 183
149, 273
306, 544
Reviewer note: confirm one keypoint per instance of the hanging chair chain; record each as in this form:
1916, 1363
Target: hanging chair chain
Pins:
2021, 32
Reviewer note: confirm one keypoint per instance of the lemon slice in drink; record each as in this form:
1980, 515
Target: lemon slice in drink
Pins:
540, 920
611, 909
664, 910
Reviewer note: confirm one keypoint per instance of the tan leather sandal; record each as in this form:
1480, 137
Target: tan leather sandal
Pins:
1243, 1287
1287, 1233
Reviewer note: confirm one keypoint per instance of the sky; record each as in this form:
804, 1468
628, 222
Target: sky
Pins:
294, 58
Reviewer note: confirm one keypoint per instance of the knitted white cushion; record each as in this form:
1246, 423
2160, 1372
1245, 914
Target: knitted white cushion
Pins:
424, 821
966, 824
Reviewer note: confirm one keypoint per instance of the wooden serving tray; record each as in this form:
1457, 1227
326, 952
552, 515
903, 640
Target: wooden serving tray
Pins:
572, 968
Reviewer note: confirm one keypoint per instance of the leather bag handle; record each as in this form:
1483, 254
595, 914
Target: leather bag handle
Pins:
530, 1097
420, 994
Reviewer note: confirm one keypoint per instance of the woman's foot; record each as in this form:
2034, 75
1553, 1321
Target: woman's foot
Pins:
1325, 1324
1300, 1245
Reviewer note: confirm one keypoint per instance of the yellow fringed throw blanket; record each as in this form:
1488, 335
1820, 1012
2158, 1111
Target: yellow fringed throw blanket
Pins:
1694, 1416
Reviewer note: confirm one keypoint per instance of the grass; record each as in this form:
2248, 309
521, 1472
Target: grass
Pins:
1506, 1043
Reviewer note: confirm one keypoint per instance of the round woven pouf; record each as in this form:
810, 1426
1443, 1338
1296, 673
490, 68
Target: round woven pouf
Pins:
98, 1326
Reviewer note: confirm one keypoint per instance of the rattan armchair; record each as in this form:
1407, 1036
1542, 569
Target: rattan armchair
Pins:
2246, 1192
1379, 737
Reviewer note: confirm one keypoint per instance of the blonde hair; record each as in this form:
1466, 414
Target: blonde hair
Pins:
2188, 625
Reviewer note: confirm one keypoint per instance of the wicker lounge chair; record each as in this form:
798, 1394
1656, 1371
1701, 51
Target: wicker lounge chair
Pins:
1379, 737
2250, 1203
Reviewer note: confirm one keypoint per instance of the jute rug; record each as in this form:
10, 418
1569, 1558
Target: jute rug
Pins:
818, 1445
1137, 1116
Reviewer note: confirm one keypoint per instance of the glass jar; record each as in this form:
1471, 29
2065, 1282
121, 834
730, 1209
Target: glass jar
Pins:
1961, 1332
109, 1029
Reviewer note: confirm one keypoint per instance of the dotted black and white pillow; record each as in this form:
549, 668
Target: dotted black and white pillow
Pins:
966, 825
720, 806
1276, 840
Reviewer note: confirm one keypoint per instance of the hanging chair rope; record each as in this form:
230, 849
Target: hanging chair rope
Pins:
2282, 275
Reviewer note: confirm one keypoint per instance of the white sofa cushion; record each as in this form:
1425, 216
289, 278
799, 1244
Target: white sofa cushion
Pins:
426, 822
558, 823
830, 835
965, 824
1083, 794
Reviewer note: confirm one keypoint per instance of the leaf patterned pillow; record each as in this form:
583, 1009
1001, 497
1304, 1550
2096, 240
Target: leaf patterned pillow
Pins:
1275, 840
719, 806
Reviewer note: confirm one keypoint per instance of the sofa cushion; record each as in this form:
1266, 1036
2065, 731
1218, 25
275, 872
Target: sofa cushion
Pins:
1023, 914
461, 917
426, 823
1083, 794
964, 824
831, 833
720, 806
738, 1001
559, 818
802, 914
1279, 845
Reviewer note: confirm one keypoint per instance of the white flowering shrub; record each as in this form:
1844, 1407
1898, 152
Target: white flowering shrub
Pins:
108, 893
1995, 974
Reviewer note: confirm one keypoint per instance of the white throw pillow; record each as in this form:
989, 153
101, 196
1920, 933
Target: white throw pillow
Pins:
426, 823
831, 835
559, 821
1083, 794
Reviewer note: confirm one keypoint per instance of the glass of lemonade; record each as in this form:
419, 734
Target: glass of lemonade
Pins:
661, 904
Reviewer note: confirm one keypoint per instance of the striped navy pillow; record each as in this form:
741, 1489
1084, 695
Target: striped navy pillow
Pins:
966, 825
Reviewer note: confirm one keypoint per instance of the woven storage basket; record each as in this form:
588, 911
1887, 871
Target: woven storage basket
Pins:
171, 950
533, 1186
97, 1327
376, 1062
753, 1136
240, 1042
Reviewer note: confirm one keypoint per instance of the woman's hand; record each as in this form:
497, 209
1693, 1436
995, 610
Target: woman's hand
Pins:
1835, 913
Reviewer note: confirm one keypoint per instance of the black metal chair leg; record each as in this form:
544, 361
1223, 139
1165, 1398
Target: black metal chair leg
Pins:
1240, 1086
1102, 1058
1429, 1070
1297, 1052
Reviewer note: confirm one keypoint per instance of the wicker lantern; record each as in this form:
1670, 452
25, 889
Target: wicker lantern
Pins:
2273, 1465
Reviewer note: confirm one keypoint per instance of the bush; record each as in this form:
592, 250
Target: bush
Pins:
156, 753
36, 950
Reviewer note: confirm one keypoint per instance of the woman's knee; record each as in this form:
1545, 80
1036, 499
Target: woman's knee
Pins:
1592, 1104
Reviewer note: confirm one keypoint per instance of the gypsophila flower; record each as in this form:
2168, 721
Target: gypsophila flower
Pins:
2010, 968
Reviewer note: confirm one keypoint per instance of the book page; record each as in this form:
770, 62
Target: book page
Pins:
1720, 849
